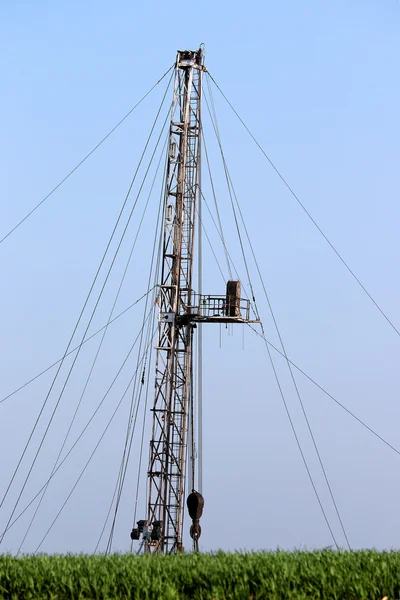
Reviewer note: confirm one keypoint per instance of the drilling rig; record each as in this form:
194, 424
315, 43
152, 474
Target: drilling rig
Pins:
181, 311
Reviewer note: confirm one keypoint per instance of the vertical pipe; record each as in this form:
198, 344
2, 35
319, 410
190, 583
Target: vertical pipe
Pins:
200, 327
200, 402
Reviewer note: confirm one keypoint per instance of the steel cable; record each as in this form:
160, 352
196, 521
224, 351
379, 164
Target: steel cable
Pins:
232, 194
295, 196
86, 157
216, 206
99, 347
320, 387
76, 347
153, 256
137, 389
86, 464
92, 315
79, 437
81, 314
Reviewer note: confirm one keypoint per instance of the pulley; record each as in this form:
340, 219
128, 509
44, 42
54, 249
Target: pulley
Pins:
195, 504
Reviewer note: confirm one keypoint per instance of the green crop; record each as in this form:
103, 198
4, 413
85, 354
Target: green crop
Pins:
243, 576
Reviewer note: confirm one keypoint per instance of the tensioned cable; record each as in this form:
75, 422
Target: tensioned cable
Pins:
229, 256
141, 446
216, 131
86, 465
227, 253
134, 408
100, 345
320, 387
185, 478
137, 391
208, 238
81, 315
86, 157
193, 432
92, 315
76, 348
230, 184
294, 379
140, 460
121, 474
300, 448
295, 196
128, 442
159, 219
218, 228
82, 472
297, 367
251, 296
299, 445
216, 207
278, 332
198, 394
279, 352
79, 437
109, 510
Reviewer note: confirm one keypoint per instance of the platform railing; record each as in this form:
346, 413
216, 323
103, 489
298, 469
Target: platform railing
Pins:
209, 307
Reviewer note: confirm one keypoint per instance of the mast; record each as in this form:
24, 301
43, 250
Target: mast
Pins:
180, 310
173, 382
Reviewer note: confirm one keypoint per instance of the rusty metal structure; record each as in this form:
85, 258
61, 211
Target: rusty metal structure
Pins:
180, 312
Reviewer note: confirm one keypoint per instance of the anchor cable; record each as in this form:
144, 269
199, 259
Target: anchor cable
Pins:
100, 343
87, 463
301, 370
232, 194
76, 347
138, 389
296, 197
82, 311
320, 387
8, 526
216, 207
85, 158
155, 253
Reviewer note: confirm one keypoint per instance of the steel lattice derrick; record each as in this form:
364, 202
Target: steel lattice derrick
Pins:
180, 309
173, 385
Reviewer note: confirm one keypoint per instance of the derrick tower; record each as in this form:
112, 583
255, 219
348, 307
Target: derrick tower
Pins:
180, 310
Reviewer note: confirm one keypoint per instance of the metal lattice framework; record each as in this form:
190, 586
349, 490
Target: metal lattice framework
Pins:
173, 384
180, 310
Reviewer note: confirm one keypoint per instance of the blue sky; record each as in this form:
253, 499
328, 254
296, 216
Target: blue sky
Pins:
318, 84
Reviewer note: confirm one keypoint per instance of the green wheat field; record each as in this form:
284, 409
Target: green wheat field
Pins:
241, 576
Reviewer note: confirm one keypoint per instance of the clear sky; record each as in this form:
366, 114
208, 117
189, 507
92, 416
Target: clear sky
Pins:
318, 83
